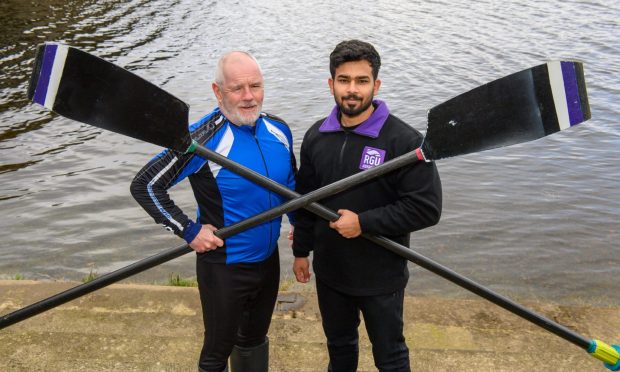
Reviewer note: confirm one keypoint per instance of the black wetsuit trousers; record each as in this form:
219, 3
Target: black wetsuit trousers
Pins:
237, 304
383, 317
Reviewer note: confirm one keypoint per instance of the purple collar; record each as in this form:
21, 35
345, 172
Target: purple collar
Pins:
370, 127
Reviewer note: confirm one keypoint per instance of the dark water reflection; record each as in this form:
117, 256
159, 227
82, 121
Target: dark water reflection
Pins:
538, 220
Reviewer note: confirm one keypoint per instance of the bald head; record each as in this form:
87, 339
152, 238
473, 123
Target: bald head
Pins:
232, 61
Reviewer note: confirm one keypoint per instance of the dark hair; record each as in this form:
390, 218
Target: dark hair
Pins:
354, 50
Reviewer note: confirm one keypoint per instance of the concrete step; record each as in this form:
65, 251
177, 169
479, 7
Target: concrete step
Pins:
128, 327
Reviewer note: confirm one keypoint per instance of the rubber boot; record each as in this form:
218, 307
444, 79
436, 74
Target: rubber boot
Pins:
202, 370
250, 359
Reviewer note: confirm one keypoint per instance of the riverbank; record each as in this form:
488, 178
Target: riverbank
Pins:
127, 327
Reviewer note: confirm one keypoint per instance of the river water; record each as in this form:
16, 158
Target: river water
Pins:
534, 221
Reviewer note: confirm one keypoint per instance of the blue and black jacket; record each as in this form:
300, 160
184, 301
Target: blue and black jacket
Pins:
223, 197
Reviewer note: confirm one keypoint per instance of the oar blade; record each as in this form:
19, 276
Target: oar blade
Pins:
521, 107
83, 87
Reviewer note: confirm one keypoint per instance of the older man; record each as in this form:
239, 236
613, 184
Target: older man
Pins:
237, 278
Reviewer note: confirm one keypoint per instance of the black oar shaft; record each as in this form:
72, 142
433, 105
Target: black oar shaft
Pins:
86, 288
401, 250
299, 201
147, 263
482, 291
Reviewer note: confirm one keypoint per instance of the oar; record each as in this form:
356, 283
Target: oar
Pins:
598, 349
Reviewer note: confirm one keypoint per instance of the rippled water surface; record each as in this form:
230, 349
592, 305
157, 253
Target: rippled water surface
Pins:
538, 220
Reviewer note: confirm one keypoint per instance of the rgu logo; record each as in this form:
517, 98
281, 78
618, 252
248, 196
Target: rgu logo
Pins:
371, 157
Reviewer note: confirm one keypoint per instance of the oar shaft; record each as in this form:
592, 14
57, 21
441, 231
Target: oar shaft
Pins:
299, 202
399, 249
482, 291
86, 288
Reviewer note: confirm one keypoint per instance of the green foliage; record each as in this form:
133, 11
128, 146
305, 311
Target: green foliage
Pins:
175, 280
92, 275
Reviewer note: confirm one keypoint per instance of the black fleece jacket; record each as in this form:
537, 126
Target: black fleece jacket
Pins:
393, 205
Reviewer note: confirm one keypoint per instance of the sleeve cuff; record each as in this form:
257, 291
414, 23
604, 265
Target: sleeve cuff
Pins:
300, 253
190, 231
363, 220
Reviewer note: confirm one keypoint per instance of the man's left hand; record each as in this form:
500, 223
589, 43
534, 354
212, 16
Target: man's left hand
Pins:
348, 225
291, 233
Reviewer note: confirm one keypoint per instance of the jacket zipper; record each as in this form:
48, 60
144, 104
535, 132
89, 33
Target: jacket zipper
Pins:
344, 144
267, 174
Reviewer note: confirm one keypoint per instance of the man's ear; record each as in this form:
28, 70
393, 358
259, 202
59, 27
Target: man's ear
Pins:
377, 86
217, 92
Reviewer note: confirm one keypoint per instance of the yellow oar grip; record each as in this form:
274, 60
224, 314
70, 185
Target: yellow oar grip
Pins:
604, 352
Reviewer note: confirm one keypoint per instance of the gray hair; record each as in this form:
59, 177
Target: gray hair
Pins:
219, 71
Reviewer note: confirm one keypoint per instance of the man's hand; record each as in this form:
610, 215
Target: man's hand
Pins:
301, 268
206, 240
291, 233
348, 225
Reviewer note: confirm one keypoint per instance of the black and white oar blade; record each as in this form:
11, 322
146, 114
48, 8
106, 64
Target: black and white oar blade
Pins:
88, 89
517, 108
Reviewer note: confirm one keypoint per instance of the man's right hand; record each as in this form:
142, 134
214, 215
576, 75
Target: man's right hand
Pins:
301, 268
206, 240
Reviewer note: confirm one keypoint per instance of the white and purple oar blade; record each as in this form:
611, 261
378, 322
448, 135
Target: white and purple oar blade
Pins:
88, 89
521, 107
